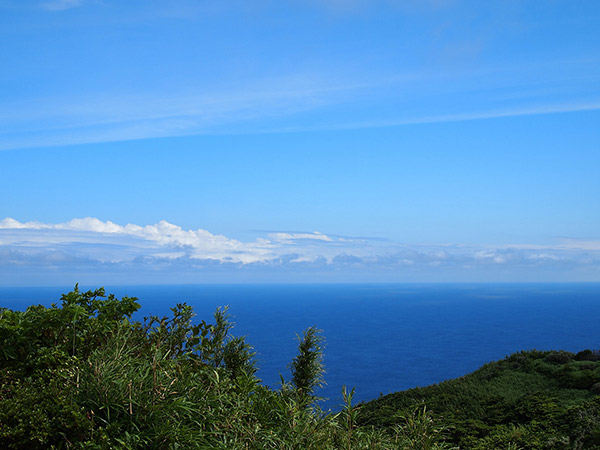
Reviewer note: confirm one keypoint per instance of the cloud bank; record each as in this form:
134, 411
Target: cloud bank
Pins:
102, 251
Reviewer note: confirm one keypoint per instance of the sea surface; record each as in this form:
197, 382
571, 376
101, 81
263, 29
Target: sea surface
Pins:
379, 338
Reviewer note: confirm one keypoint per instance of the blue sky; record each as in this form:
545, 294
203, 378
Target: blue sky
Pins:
299, 141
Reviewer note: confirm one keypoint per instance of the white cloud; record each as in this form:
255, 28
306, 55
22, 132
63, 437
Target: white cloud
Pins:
281, 103
491, 255
282, 237
581, 244
543, 256
90, 242
535, 110
10, 223
199, 243
91, 224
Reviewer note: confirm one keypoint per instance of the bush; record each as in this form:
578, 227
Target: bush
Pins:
560, 357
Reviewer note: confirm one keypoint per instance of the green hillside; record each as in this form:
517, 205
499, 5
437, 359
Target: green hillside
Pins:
530, 399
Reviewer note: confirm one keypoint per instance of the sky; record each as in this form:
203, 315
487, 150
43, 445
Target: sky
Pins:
194, 141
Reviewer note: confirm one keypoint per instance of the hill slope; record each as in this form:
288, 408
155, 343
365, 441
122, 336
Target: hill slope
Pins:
529, 400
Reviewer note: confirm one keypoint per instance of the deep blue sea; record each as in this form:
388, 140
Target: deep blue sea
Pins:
380, 338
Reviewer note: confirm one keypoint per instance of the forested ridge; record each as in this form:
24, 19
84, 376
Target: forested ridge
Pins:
530, 400
85, 374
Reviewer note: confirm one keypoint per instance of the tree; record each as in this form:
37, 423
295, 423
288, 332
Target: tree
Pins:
307, 367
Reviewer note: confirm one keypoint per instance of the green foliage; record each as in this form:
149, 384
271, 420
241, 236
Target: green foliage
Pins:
348, 416
38, 413
84, 374
419, 430
530, 400
307, 367
581, 424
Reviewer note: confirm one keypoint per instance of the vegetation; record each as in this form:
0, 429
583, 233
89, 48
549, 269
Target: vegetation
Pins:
85, 374
530, 400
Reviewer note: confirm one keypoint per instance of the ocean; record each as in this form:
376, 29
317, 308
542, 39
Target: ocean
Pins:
380, 338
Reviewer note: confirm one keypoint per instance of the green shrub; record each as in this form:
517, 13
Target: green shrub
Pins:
84, 374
